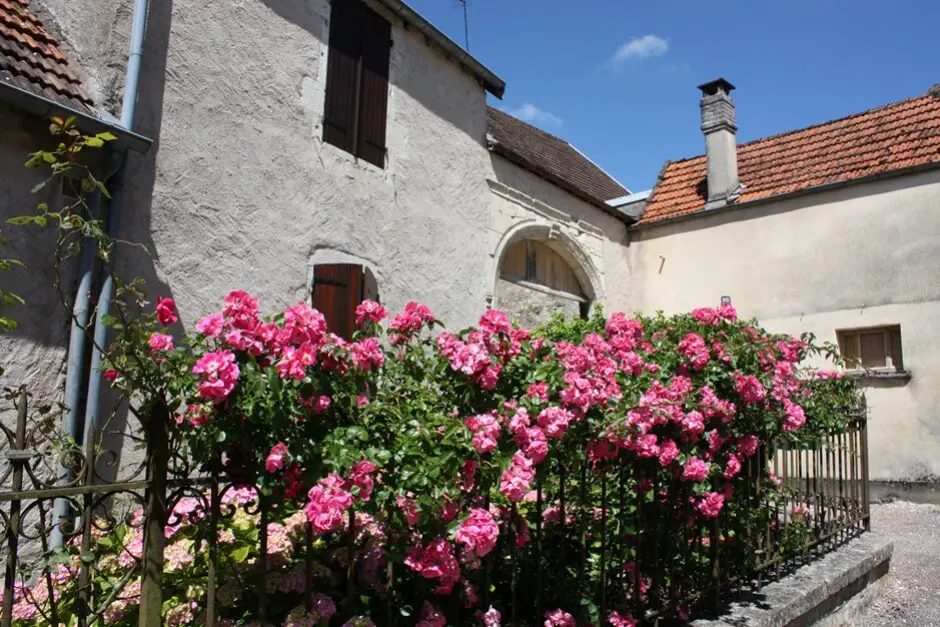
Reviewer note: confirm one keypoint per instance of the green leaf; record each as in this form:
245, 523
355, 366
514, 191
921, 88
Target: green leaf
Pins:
88, 557
241, 554
20, 220
106, 136
94, 142
37, 187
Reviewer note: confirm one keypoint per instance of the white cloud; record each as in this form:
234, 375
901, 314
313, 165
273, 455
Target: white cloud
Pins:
532, 114
639, 48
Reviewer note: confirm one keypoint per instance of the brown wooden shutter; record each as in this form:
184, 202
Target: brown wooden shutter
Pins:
337, 290
897, 358
373, 98
342, 75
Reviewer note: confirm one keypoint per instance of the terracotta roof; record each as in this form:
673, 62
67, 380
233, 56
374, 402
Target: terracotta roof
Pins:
551, 157
30, 58
893, 137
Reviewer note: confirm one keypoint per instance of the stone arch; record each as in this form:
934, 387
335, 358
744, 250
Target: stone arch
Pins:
560, 242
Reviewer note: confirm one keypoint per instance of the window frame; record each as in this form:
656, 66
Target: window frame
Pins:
356, 91
891, 333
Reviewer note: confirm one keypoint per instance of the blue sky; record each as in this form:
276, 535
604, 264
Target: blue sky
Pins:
617, 77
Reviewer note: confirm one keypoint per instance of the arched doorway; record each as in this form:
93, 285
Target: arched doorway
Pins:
536, 281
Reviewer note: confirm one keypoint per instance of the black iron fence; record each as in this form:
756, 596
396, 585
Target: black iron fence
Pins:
592, 538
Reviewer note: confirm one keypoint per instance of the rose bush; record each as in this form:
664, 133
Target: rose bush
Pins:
462, 459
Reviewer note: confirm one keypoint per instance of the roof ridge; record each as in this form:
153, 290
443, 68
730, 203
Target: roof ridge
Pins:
812, 126
532, 126
835, 120
595, 164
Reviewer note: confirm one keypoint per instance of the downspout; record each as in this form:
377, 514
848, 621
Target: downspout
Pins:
115, 208
81, 310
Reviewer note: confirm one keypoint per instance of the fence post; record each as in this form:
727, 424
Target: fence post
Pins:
863, 423
155, 517
18, 459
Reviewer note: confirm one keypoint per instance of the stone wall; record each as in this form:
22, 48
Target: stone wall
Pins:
529, 307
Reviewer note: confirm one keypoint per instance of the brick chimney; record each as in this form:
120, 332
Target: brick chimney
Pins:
720, 147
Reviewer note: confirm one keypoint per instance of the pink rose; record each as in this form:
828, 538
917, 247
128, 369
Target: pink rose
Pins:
619, 620
710, 504
517, 479
160, 342
360, 476
220, 374
668, 453
478, 533
327, 504
559, 618
695, 470
276, 458
371, 311
750, 389
211, 325
436, 561
554, 421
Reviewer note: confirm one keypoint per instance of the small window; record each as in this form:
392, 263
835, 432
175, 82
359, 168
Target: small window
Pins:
357, 81
876, 348
338, 288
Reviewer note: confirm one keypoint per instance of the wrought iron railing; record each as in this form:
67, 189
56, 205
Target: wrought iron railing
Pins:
591, 532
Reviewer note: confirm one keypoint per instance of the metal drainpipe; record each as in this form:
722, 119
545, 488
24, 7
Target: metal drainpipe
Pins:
73, 383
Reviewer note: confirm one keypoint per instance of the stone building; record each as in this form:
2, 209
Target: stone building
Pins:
304, 150
331, 151
830, 229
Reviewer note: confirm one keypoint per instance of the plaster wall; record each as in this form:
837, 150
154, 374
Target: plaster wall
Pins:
33, 354
863, 255
245, 193
523, 205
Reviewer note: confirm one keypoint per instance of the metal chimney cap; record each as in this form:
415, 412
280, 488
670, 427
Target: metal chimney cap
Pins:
713, 87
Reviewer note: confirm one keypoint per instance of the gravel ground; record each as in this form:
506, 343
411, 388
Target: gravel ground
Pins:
912, 595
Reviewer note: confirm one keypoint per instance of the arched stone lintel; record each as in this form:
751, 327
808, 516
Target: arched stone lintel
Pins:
556, 237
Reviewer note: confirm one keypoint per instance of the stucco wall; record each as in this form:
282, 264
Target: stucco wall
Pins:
859, 256
246, 195
523, 205
33, 355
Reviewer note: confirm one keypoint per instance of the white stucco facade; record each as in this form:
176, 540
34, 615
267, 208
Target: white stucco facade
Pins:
864, 255
240, 192
247, 195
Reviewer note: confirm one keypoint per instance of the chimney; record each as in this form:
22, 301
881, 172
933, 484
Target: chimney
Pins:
720, 147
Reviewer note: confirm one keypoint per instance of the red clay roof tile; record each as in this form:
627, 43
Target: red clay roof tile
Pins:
31, 59
892, 137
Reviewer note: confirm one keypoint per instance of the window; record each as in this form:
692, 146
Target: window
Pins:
876, 348
338, 288
357, 81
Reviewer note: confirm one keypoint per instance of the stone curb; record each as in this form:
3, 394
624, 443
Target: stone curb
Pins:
815, 591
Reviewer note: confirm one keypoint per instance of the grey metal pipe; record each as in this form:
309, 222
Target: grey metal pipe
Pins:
115, 208
132, 78
75, 370
77, 340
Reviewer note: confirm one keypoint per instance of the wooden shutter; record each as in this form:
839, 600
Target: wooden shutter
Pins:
342, 75
337, 290
897, 358
373, 98
872, 345
848, 345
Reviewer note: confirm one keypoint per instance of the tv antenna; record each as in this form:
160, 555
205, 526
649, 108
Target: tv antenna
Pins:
466, 24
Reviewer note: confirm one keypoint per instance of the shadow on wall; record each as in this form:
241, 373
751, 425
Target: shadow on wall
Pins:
135, 226
421, 81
